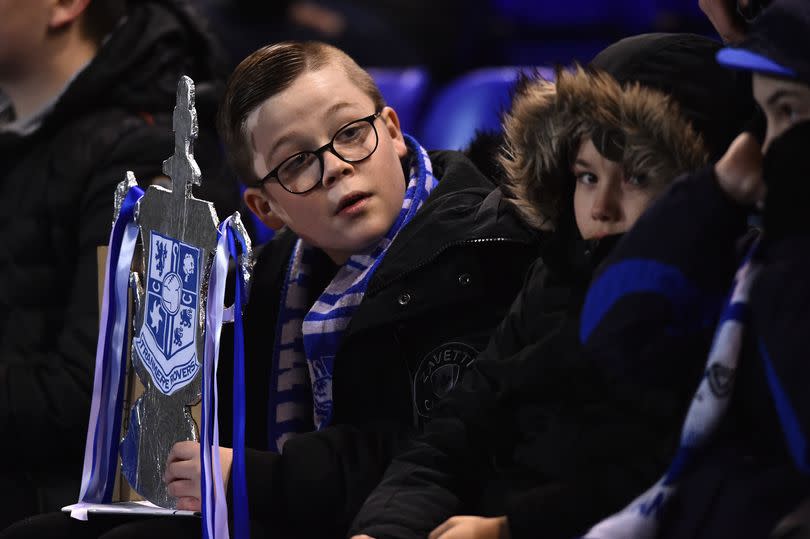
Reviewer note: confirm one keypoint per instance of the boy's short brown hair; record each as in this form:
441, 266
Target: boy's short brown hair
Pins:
268, 72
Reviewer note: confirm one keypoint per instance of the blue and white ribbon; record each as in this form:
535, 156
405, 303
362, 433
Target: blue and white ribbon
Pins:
103, 430
214, 506
640, 519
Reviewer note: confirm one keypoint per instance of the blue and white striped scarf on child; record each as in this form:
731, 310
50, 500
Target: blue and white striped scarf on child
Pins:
307, 341
640, 519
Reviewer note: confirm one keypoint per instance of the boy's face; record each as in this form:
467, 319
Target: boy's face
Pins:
356, 203
784, 103
22, 27
606, 200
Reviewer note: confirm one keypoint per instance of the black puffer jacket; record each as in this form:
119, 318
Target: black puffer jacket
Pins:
56, 192
445, 283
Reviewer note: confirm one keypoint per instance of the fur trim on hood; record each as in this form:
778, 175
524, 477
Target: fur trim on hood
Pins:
639, 127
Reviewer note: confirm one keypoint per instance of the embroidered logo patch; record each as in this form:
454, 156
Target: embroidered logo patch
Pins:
721, 380
167, 340
320, 372
438, 373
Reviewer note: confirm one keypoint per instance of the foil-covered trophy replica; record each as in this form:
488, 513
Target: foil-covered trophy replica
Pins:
172, 335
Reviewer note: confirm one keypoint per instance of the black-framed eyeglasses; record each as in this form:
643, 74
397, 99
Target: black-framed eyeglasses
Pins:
302, 172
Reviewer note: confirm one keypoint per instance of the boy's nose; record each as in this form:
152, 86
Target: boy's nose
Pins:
769, 136
606, 205
333, 168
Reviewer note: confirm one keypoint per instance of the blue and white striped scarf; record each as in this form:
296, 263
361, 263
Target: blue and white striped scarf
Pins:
640, 519
307, 341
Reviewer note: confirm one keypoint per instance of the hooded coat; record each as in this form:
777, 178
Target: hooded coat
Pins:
538, 430
56, 201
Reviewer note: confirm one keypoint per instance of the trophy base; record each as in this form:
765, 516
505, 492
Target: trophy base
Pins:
83, 511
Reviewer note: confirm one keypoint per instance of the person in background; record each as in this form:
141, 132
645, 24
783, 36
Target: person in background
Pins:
375, 33
87, 89
731, 18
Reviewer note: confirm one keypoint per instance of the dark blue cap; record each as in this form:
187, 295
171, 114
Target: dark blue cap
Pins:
778, 42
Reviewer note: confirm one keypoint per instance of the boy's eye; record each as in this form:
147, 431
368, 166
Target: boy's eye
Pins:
586, 178
296, 163
637, 180
787, 112
350, 133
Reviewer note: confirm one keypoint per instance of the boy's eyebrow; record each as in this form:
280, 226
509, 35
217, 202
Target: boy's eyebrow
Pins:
780, 94
337, 106
278, 143
581, 162
285, 138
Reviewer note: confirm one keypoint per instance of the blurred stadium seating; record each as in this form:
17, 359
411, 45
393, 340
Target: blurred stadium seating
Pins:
472, 102
405, 90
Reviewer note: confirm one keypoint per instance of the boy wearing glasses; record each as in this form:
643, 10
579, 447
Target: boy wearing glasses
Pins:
391, 267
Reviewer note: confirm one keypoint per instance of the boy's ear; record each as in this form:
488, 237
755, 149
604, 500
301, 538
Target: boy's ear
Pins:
258, 202
64, 12
389, 116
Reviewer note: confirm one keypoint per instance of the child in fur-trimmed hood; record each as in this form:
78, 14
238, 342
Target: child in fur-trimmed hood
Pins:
637, 127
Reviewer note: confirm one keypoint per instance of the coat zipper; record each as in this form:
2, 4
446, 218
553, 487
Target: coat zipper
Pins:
439, 251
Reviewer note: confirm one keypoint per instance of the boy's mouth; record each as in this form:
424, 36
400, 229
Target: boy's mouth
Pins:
352, 201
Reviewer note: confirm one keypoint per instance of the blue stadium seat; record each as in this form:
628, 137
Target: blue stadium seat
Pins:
472, 102
620, 14
568, 13
405, 90
553, 32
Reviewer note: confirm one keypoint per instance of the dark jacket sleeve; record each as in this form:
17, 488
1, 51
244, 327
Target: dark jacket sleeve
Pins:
599, 454
780, 299
320, 480
599, 435
47, 395
441, 472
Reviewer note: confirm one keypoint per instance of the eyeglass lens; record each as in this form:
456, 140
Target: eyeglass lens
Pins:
354, 142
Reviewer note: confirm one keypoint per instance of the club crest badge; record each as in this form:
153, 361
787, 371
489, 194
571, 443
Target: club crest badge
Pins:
166, 342
320, 372
721, 380
438, 373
